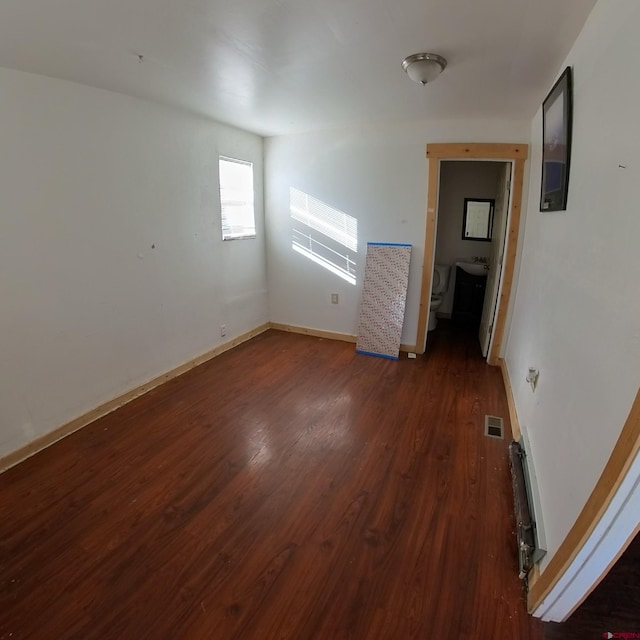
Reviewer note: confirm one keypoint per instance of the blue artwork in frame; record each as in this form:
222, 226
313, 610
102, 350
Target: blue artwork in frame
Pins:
557, 112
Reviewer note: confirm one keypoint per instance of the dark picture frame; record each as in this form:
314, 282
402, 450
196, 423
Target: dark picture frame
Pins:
557, 116
477, 219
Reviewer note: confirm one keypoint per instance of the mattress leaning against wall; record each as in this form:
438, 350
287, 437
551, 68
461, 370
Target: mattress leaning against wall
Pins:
384, 294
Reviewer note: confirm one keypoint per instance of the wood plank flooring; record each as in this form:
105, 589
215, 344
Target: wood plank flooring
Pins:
287, 489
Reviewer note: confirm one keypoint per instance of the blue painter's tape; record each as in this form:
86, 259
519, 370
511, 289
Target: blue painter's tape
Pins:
387, 244
377, 355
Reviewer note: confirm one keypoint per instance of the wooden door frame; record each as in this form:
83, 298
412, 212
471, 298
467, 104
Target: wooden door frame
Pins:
601, 533
507, 152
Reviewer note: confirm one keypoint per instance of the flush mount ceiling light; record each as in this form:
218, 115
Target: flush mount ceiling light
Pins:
424, 67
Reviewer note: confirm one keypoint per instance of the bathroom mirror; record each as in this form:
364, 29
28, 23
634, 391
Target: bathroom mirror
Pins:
477, 221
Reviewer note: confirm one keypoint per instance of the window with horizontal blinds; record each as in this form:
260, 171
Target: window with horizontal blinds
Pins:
236, 199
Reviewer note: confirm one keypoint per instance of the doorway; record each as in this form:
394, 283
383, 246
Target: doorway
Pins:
515, 154
470, 230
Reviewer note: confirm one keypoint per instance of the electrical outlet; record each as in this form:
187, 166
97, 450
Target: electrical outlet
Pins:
532, 377
223, 330
334, 298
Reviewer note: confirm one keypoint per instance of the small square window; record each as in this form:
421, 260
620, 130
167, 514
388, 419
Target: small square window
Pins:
236, 199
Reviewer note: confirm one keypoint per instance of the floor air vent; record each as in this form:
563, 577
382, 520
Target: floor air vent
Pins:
493, 427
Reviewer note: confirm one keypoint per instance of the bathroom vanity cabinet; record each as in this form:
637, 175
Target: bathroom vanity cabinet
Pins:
468, 299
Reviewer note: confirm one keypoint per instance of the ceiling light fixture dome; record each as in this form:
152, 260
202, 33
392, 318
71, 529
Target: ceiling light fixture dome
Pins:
424, 67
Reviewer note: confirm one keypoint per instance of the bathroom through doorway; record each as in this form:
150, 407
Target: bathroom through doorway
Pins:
501, 153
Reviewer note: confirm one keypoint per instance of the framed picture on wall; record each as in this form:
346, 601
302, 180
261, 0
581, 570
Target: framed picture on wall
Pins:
556, 144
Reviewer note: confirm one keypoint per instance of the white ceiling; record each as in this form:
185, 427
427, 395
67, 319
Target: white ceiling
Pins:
284, 66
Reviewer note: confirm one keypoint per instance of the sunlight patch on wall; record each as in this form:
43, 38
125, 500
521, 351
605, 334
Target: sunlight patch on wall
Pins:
325, 235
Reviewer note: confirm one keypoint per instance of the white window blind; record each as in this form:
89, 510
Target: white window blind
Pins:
236, 199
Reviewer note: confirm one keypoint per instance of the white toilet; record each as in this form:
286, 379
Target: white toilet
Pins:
440, 286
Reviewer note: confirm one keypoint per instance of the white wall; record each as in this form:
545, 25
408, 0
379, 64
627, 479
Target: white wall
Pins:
460, 180
90, 181
577, 310
375, 174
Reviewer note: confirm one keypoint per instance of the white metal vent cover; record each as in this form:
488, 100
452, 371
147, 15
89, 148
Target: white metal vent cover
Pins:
493, 427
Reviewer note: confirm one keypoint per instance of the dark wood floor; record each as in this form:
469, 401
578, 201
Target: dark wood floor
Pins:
613, 606
287, 489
